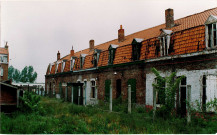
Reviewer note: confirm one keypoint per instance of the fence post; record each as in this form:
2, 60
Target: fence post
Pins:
129, 98
110, 103
188, 104
154, 102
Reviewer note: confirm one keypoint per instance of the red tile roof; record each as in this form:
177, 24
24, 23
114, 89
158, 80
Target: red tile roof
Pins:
188, 33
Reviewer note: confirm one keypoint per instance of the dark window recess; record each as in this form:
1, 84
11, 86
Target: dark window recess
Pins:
214, 34
93, 89
118, 88
107, 90
94, 61
183, 89
160, 95
171, 48
81, 62
132, 82
157, 50
136, 51
210, 35
204, 94
111, 55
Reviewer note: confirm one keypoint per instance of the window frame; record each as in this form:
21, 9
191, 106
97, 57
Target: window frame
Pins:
1, 71
93, 89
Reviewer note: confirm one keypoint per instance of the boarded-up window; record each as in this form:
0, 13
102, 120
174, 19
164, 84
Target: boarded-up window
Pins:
107, 90
211, 89
132, 82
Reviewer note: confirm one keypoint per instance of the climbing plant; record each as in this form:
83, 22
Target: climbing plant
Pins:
166, 88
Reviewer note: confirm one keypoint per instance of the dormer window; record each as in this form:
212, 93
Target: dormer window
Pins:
4, 59
82, 58
63, 65
136, 48
56, 68
210, 25
72, 63
112, 49
96, 57
165, 42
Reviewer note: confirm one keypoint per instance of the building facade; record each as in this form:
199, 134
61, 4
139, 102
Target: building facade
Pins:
187, 46
4, 59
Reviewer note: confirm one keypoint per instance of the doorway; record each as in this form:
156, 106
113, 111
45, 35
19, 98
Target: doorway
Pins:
118, 88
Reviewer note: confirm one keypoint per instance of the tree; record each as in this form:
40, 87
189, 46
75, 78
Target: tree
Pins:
26, 75
166, 88
10, 72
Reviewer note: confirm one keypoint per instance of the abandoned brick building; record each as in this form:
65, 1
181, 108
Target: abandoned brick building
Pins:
187, 46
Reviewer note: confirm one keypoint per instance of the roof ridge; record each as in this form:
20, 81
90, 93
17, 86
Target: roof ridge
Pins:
143, 30
196, 13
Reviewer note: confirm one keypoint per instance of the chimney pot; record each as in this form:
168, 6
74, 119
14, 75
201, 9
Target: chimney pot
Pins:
6, 45
121, 34
72, 52
169, 17
91, 43
58, 55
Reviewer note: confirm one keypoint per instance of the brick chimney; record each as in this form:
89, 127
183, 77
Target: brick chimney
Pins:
6, 45
169, 17
58, 55
72, 52
120, 34
91, 43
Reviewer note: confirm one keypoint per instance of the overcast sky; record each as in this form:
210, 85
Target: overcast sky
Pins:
36, 30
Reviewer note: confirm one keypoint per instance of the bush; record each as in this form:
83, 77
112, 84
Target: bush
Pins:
30, 102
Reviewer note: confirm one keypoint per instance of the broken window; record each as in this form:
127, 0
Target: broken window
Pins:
95, 60
93, 89
4, 59
157, 45
160, 93
82, 58
136, 48
211, 33
136, 51
112, 49
183, 89
72, 63
165, 41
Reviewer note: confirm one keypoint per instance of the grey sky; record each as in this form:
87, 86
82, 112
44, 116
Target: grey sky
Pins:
36, 30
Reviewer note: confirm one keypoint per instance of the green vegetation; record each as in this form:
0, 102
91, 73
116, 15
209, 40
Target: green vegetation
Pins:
26, 75
166, 88
58, 117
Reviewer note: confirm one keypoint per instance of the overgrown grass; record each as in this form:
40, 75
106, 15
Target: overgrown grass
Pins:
57, 117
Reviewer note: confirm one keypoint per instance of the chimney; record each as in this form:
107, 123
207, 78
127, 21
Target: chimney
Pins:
6, 45
91, 43
120, 34
169, 17
72, 52
58, 55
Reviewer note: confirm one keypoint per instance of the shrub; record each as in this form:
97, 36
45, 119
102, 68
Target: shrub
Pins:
30, 102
